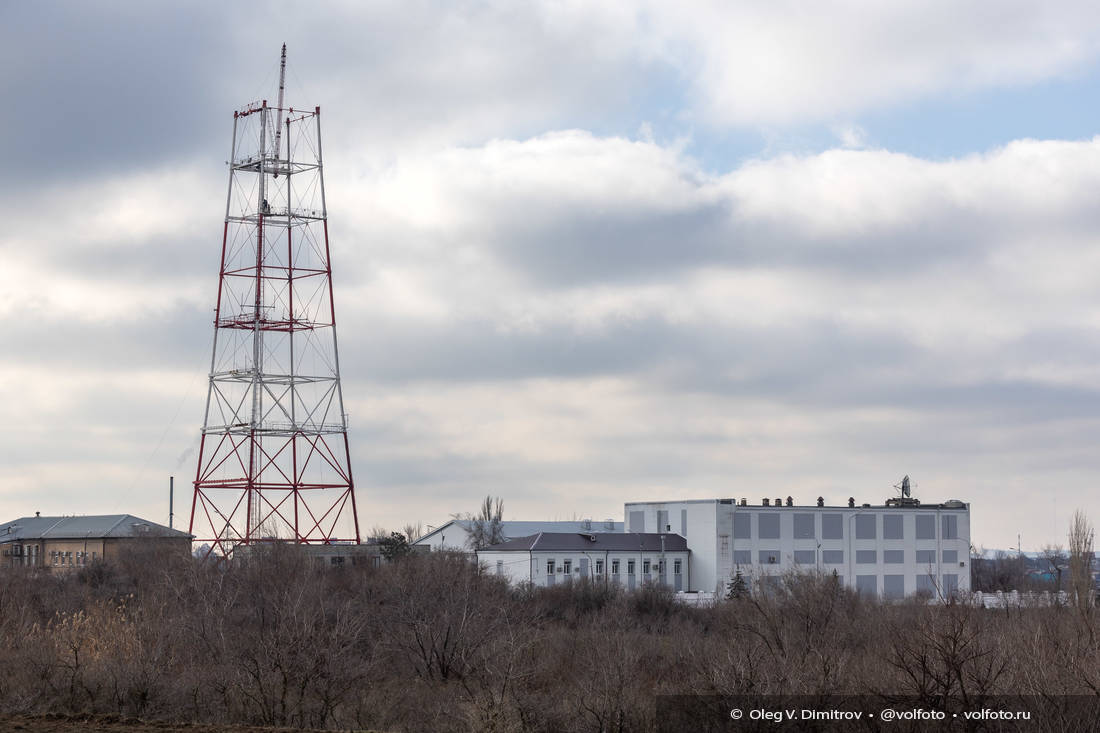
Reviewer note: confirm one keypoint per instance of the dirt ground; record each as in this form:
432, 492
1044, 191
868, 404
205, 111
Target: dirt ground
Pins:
118, 724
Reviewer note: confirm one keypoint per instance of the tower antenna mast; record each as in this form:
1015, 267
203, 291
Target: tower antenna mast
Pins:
279, 109
274, 463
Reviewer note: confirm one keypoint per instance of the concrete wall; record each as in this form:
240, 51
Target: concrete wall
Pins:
697, 521
451, 536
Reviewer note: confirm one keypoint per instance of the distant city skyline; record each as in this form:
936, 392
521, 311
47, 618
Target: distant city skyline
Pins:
582, 255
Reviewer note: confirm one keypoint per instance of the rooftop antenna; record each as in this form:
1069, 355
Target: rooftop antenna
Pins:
279, 107
906, 491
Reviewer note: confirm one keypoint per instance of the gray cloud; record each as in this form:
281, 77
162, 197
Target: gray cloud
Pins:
532, 303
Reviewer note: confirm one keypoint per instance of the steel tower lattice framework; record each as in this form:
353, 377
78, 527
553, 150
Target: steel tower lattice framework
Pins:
274, 463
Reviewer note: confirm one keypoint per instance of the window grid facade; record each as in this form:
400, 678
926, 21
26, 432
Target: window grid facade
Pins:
893, 544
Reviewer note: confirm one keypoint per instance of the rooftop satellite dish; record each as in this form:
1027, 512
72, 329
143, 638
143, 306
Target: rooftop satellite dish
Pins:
906, 498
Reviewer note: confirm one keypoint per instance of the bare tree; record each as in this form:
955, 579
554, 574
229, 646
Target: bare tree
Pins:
1055, 559
378, 532
487, 526
997, 570
1080, 559
413, 531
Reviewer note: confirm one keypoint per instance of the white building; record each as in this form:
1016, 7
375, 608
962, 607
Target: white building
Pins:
455, 534
892, 551
626, 558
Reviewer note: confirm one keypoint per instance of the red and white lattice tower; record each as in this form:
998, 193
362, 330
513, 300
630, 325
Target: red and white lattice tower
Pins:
274, 463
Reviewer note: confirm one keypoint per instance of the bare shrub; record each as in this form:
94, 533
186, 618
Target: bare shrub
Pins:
949, 652
430, 643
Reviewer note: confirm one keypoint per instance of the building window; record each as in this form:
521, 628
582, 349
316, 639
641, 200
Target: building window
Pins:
926, 527
832, 526
950, 584
614, 567
893, 557
767, 526
742, 557
723, 544
677, 566
892, 528
866, 557
599, 567
832, 557
805, 557
926, 583
926, 557
893, 586
645, 567
567, 566
550, 566
804, 526
951, 556
867, 585
661, 567
69, 557
769, 557
53, 556
630, 567
500, 567
865, 527
950, 524
742, 526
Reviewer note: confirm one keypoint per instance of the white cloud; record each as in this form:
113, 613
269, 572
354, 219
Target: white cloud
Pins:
792, 62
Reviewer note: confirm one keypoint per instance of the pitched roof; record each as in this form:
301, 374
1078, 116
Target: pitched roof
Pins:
513, 529
67, 528
610, 541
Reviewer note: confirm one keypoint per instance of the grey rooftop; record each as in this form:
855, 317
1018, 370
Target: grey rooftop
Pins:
104, 526
512, 529
594, 541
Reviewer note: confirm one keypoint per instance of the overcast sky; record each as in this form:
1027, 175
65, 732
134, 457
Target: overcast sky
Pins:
582, 255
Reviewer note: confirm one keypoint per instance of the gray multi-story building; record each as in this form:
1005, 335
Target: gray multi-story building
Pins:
891, 550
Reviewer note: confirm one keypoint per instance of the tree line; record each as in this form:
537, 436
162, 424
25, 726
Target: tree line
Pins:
429, 642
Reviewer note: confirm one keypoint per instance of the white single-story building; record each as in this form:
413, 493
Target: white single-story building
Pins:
455, 534
627, 558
